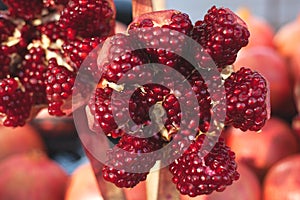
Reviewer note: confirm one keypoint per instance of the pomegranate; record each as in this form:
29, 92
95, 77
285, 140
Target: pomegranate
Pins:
51, 127
247, 187
296, 126
83, 185
283, 180
295, 65
214, 33
261, 150
287, 39
32, 176
274, 68
19, 140
261, 32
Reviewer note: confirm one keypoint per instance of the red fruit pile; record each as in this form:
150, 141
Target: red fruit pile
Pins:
42, 46
138, 124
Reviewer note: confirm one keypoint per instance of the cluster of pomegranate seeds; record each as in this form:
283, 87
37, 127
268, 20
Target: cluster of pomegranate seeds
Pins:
222, 34
7, 28
88, 18
32, 36
196, 173
78, 49
153, 117
246, 94
59, 83
14, 102
127, 157
27, 9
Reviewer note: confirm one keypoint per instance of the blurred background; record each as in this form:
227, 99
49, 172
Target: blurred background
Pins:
274, 51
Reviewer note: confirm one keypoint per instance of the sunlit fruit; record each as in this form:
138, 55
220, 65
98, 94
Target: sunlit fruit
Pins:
261, 150
32, 176
283, 180
19, 140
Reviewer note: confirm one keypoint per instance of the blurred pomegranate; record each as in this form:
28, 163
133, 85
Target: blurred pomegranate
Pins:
296, 126
83, 185
246, 188
261, 150
295, 64
32, 176
283, 180
54, 127
19, 140
273, 67
287, 38
261, 32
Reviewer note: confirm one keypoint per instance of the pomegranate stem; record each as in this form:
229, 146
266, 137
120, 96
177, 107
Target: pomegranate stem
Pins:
140, 7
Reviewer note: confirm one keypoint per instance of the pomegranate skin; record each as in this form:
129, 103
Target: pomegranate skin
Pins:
19, 140
32, 176
270, 64
261, 150
283, 180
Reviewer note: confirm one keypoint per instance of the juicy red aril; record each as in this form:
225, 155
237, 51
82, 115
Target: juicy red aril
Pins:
196, 173
15, 105
54, 32
246, 94
31, 74
222, 34
90, 18
78, 49
5, 61
126, 163
59, 86
53, 3
26, 9
7, 28
161, 36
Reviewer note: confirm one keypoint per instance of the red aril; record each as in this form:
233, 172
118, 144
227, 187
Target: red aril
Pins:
19, 140
261, 32
273, 67
83, 185
283, 180
32, 176
246, 188
261, 150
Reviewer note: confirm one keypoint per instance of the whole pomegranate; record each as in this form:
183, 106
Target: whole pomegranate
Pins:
32, 176
286, 39
261, 32
261, 150
268, 62
19, 140
283, 180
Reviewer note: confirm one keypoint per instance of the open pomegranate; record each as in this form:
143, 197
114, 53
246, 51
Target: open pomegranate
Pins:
136, 103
